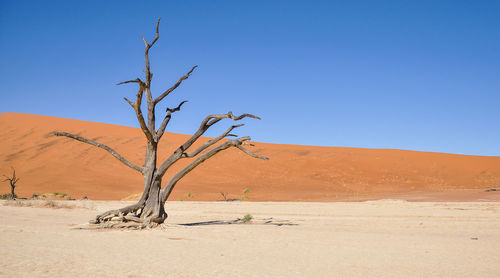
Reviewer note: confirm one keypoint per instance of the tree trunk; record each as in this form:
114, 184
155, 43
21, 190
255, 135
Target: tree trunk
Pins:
154, 211
12, 195
150, 205
149, 181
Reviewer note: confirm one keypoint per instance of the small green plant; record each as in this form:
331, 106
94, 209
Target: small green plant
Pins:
246, 191
180, 200
247, 218
189, 195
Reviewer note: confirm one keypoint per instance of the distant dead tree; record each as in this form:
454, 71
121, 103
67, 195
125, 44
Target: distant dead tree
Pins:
224, 196
12, 182
149, 210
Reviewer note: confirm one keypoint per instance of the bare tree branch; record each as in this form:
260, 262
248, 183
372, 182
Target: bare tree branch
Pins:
147, 86
138, 80
99, 145
205, 125
171, 89
178, 108
231, 143
137, 106
211, 120
149, 75
14, 179
251, 153
166, 120
129, 102
140, 117
211, 142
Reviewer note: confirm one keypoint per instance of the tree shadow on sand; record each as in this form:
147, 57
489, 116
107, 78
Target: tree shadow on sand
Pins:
266, 221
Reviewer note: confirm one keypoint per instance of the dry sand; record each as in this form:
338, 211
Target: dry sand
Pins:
294, 173
386, 238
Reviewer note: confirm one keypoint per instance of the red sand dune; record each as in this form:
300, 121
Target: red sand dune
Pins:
294, 173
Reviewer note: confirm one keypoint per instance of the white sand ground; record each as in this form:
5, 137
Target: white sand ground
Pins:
385, 238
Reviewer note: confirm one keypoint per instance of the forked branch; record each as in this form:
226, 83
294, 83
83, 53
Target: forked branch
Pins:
211, 142
12, 180
205, 125
137, 107
210, 121
231, 143
99, 145
166, 120
149, 75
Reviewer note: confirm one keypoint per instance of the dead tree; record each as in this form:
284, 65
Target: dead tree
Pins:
149, 210
224, 196
12, 182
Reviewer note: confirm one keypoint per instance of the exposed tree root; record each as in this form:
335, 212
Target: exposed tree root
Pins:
127, 217
121, 213
122, 225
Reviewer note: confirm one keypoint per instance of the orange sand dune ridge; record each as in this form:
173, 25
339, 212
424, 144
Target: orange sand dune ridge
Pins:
293, 173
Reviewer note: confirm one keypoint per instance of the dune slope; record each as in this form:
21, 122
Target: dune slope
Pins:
294, 173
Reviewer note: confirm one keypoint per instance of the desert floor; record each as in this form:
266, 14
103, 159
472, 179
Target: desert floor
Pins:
385, 238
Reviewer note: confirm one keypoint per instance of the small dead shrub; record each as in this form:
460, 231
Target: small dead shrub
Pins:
7, 196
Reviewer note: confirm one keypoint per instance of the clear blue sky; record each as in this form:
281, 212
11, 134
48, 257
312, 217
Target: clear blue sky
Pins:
418, 75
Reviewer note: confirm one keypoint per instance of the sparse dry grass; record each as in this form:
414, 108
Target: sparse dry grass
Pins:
56, 205
17, 203
46, 204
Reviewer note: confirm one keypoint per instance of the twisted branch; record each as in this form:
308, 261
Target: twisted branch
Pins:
167, 118
231, 143
211, 120
205, 125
